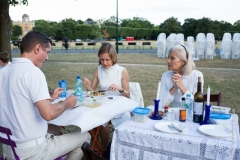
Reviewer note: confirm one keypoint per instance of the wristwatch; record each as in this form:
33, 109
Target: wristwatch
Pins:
121, 90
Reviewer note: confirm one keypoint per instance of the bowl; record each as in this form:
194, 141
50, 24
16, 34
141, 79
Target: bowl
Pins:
140, 114
91, 102
220, 109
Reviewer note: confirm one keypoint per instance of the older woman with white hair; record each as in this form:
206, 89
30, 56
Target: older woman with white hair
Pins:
181, 79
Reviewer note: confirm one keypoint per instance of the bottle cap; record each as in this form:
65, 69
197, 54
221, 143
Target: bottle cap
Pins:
165, 107
78, 77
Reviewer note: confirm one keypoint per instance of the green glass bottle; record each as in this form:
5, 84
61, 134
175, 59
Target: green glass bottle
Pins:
198, 105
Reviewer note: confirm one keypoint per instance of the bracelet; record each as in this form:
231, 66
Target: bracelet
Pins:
121, 90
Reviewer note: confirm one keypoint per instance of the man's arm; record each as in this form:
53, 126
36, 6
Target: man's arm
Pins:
50, 111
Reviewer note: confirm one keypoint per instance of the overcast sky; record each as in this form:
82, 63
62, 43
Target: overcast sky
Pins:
156, 11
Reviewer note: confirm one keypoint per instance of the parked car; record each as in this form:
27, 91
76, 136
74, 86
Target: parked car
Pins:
17, 42
88, 40
112, 39
78, 40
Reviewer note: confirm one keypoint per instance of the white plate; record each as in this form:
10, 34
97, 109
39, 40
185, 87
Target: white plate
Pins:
163, 126
215, 130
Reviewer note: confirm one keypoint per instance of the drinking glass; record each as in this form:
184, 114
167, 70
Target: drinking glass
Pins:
171, 116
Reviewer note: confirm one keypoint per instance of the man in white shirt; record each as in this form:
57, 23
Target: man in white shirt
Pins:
4, 59
25, 106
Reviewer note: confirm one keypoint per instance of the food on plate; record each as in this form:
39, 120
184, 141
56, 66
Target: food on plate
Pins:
97, 93
92, 105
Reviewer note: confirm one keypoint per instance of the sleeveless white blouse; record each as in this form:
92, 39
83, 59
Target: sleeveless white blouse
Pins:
107, 77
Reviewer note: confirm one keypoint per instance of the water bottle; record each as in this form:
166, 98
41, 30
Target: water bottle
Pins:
189, 107
63, 85
78, 89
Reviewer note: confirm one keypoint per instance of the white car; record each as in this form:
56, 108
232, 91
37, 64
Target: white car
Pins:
78, 40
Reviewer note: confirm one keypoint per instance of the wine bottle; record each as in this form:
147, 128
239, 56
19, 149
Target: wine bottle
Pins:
198, 105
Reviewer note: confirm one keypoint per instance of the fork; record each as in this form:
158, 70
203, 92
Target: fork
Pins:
173, 126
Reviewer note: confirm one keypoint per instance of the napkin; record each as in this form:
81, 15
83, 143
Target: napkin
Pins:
220, 116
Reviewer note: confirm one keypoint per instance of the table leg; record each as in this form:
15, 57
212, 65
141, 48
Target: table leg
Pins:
96, 146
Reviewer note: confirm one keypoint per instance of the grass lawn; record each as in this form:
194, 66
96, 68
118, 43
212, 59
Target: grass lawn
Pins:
221, 75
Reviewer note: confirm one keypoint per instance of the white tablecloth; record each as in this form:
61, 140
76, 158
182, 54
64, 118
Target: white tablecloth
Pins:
141, 141
88, 118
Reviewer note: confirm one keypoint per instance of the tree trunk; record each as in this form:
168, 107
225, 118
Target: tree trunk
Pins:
5, 28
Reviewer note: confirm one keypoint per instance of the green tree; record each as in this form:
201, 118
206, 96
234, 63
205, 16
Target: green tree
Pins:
68, 26
95, 32
214, 28
5, 24
16, 31
82, 31
189, 26
80, 21
171, 25
136, 22
236, 26
203, 26
111, 31
224, 27
143, 22
125, 22
59, 33
89, 19
109, 23
46, 27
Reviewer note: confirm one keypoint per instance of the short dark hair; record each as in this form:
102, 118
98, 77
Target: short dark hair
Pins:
4, 57
33, 38
108, 48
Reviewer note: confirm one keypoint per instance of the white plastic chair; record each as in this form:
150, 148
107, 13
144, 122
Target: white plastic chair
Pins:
209, 46
180, 39
226, 46
225, 53
191, 45
161, 45
200, 45
236, 36
171, 41
209, 50
235, 49
136, 93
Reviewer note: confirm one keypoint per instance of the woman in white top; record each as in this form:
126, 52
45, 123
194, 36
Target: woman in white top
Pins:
181, 79
110, 76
